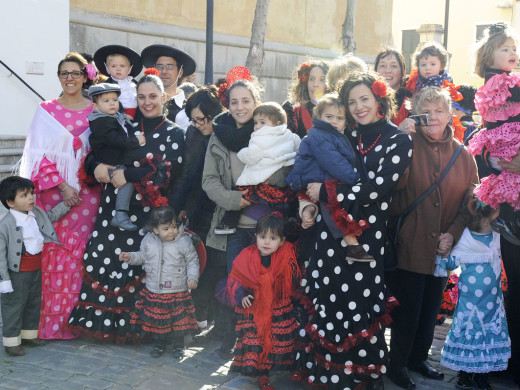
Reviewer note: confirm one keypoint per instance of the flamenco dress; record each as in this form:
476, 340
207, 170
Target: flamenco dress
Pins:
500, 137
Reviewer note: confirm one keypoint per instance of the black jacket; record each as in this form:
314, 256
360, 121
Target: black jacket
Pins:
109, 142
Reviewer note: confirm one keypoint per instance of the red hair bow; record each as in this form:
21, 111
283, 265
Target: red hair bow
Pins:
152, 71
452, 89
379, 88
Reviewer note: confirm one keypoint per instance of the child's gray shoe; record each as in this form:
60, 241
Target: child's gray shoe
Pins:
122, 221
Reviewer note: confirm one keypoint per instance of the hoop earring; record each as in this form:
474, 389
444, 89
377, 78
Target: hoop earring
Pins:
379, 112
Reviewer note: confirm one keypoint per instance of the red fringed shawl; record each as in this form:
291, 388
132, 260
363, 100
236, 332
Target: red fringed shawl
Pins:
268, 285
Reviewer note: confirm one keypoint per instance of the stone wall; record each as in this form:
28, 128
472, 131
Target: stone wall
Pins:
90, 30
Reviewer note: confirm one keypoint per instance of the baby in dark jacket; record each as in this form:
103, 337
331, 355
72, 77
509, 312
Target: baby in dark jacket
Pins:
326, 154
110, 140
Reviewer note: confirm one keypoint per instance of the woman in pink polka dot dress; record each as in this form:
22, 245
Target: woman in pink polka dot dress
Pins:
54, 151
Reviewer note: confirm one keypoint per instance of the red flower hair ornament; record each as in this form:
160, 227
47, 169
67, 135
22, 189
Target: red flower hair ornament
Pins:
453, 90
379, 88
303, 72
235, 74
151, 71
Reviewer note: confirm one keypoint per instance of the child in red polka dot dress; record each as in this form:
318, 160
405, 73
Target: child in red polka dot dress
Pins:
498, 102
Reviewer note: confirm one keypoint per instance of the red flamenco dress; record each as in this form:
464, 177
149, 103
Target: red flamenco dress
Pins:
267, 330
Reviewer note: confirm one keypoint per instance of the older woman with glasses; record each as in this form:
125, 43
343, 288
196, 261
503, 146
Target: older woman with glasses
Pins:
202, 106
54, 151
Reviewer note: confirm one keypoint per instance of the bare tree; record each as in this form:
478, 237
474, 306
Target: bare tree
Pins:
347, 31
255, 57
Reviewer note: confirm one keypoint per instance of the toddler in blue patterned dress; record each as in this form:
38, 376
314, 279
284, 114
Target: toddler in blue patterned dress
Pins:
478, 341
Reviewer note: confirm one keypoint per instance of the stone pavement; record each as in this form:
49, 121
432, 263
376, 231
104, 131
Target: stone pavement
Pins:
86, 364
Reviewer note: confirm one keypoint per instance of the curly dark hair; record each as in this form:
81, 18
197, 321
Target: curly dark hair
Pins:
387, 102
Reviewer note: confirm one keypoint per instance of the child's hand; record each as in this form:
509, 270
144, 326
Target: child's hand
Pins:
307, 216
192, 284
125, 256
444, 245
141, 139
247, 301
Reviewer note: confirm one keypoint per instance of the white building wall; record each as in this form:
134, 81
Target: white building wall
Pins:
32, 31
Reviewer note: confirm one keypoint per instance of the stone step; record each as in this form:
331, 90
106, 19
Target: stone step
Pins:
5, 170
12, 141
10, 156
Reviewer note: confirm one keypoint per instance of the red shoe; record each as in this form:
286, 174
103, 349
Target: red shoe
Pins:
264, 383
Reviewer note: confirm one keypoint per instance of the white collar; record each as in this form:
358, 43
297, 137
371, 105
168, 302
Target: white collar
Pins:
21, 217
179, 98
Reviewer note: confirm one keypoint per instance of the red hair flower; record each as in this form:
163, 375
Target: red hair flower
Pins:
151, 71
76, 143
236, 73
452, 89
379, 88
303, 72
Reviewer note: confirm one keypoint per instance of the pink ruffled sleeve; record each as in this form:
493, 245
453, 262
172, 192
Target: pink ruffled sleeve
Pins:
46, 177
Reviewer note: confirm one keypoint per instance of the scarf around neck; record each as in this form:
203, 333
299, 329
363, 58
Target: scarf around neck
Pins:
268, 285
432, 81
232, 137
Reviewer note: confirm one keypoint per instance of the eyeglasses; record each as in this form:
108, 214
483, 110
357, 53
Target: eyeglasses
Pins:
75, 74
168, 67
198, 121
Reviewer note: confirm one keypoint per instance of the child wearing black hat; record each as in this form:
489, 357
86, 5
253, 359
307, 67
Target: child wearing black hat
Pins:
110, 140
121, 64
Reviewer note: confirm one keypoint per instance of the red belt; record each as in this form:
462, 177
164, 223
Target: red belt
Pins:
31, 262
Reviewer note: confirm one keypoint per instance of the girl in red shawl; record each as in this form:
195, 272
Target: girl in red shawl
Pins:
260, 286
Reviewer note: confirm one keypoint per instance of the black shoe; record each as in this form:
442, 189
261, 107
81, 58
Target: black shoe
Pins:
157, 351
464, 380
481, 381
427, 370
178, 351
227, 349
34, 342
15, 351
379, 384
401, 377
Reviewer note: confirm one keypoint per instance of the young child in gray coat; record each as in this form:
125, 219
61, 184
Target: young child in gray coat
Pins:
165, 307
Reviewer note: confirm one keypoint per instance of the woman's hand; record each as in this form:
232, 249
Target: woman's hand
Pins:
512, 166
408, 126
445, 244
70, 196
313, 191
247, 301
118, 178
101, 173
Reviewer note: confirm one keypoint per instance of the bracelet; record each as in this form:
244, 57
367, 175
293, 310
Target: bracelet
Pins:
64, 188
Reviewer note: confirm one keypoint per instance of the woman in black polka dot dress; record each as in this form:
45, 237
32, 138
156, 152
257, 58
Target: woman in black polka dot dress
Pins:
109, 286
344, 339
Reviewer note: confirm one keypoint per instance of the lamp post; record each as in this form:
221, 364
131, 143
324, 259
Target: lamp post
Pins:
446, 20
208, 71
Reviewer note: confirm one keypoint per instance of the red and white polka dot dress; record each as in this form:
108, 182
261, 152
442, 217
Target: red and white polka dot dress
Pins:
62, 265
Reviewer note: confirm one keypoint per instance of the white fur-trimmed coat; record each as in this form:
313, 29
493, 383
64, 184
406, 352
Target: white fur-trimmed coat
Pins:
270, 148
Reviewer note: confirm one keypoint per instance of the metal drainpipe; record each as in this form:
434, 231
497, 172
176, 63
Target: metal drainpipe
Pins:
446, 21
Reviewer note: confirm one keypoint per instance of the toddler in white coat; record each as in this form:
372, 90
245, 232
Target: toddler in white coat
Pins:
268, 159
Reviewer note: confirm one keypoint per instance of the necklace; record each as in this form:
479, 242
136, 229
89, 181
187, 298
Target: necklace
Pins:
363, 152
156, 127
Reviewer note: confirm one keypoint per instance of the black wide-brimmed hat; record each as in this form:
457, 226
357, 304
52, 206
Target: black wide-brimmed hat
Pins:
100, 58
150, 54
